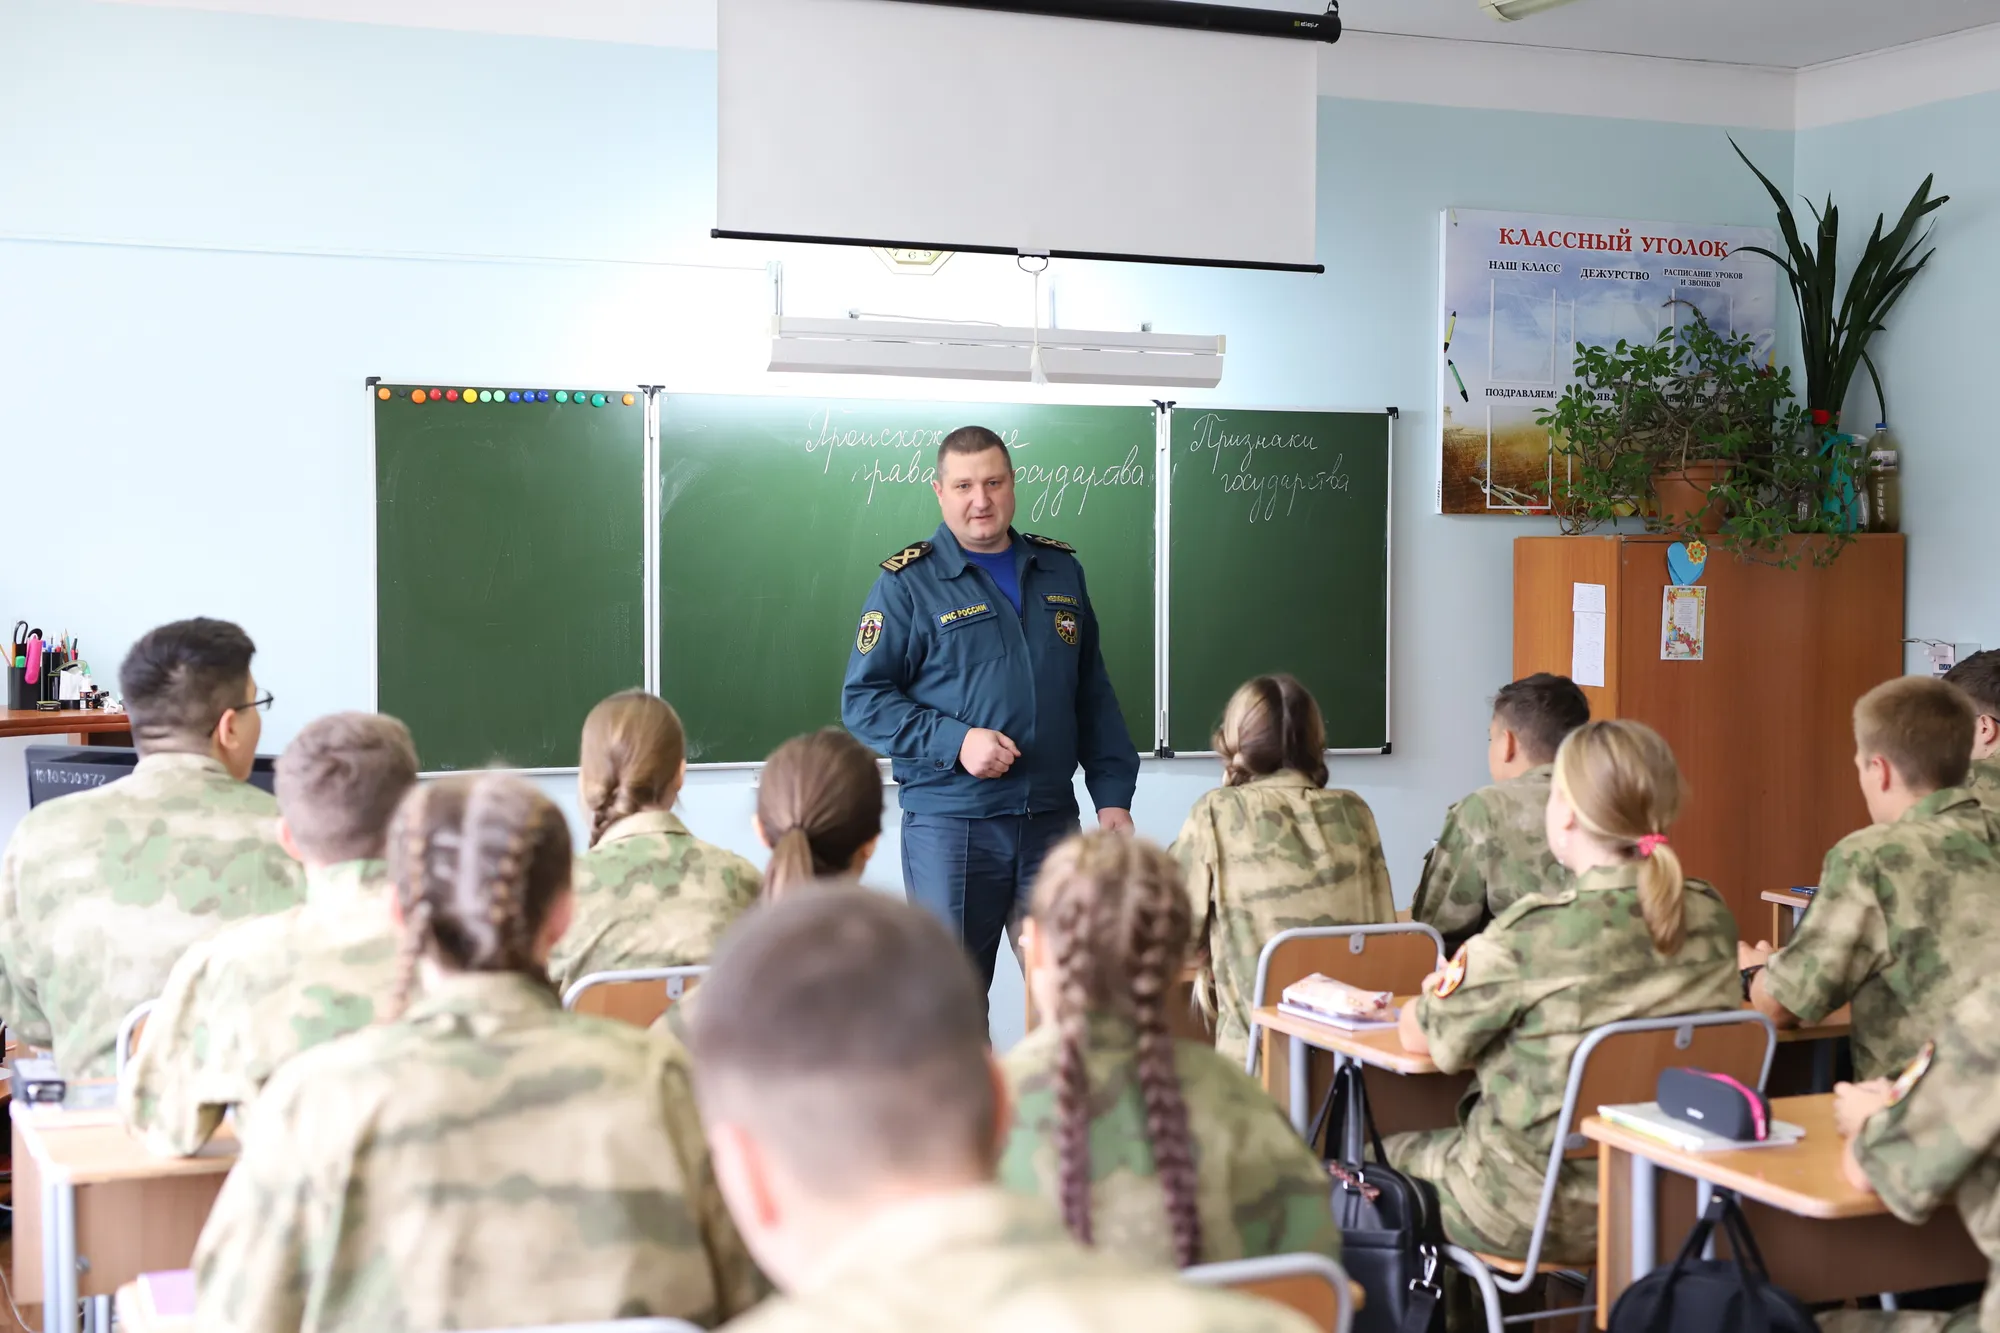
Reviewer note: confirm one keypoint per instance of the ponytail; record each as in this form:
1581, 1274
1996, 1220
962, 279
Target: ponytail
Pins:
791, 863
1621, 780
819, 802
1661, 888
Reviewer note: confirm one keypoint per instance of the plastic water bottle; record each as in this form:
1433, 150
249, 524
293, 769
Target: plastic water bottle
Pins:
1885, 484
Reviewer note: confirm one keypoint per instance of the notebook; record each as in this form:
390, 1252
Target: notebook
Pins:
1647, 1118
1345, 1022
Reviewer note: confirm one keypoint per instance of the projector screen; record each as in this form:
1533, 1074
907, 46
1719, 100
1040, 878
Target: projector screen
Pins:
891, 123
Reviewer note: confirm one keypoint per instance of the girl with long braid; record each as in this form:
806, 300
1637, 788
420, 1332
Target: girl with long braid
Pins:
1105, 1096
484, 1159
648, 892
819, 809
1272, 848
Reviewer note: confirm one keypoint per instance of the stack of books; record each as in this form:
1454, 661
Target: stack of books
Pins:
1321, 999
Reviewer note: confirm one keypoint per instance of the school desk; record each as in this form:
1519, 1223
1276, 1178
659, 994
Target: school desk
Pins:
1408, 1092
93, 1208
1822, 1239
82, 726
1788, 908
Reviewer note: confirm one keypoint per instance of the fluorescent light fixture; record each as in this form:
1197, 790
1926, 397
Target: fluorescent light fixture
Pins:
987, 352
1508, 10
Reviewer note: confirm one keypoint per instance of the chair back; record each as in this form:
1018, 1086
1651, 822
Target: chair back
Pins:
637, 995
130, 1029
1394, 958
1312, 1284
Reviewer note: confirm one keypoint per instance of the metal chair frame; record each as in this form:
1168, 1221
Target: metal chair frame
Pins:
127, 1043
1236, 1272
1357, 937
670, 975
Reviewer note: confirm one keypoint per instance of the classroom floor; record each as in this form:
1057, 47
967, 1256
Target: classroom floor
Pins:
9, 1324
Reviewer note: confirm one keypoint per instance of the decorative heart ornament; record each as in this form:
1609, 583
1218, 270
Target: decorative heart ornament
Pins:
1685, 561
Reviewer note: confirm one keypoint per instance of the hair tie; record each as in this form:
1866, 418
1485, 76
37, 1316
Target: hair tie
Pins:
1651, 842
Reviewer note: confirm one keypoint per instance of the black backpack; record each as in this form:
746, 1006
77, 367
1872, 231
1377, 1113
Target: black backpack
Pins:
1391, 1238
1700, 1295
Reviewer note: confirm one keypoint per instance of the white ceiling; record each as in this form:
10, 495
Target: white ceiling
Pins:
1785, 33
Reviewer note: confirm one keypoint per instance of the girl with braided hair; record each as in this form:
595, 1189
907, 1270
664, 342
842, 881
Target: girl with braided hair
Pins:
1105, 1097
819, 809
648, 892
484, 1159
1273, 848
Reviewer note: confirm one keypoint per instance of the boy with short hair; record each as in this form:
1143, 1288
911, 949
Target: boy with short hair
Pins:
1979, 676
101, 891
244, 1001
855, 1115
1494, 851
1907, 916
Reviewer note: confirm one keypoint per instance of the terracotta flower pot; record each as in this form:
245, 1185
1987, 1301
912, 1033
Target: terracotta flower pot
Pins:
1682, 493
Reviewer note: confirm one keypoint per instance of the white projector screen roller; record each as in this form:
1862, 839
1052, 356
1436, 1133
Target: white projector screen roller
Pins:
891, 123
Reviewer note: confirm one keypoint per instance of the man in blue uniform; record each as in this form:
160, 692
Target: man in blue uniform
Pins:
976, 669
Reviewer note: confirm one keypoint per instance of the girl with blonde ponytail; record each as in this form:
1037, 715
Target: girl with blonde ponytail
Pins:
1630, 936
819, 809
423, 1150
648, 892
1107, 937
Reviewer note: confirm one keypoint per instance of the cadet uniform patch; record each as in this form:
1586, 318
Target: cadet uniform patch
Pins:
1066, 627
1060, 599
870, 632
1454, 973
1049, 542
906, 557
1913, 1074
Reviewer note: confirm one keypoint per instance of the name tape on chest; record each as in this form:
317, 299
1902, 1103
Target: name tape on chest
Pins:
1061, 599
946, 619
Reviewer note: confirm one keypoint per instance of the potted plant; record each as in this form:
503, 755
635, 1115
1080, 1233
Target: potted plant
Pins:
1691, 432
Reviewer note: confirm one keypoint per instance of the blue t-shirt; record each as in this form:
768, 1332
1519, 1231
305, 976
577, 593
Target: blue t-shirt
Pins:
1000, 565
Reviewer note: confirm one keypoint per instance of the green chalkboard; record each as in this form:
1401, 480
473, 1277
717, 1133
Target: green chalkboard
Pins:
510, 586
775, 514
1279, 561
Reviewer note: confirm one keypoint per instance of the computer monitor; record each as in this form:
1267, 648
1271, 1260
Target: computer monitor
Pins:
62, 770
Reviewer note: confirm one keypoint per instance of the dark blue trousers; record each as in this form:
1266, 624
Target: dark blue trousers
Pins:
972, 873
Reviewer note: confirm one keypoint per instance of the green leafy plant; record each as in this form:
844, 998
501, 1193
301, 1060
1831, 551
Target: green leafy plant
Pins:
1834, 328
1694, 396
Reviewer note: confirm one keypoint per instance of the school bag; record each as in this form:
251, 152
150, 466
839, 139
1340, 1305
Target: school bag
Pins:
1391, 1233
1700, 1295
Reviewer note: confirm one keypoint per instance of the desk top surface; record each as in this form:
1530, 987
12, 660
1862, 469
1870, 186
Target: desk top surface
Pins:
1803, 1179
1380, 1047
35, 722
1839, 1023
1786, 898
89, 1148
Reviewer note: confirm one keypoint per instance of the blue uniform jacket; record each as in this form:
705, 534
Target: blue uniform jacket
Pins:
940, 651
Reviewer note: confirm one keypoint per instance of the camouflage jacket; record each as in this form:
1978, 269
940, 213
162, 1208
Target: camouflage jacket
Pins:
1984, 782
651, 894
1271, 855
983, 1261
1552, 968
1492, 852
1906, 920
1261, 1190
487, 1160
255, 994
1941, 1140
101, 892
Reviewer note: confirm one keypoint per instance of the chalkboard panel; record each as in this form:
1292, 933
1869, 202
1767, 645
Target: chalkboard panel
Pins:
775, 514
1279, 561
510, 593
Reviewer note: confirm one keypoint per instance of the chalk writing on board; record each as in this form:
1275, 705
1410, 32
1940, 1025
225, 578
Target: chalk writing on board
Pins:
1240, 449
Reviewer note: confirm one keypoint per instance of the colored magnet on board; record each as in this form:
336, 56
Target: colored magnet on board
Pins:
420, 397
541, 395
630, 399
597, 400
485, 395
436, 394
562, 395
513, 395
383, 393
451, 395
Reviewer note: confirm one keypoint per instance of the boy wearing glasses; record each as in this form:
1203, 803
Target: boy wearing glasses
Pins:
101, 892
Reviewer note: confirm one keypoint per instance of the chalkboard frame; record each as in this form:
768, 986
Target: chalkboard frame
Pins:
1164, 565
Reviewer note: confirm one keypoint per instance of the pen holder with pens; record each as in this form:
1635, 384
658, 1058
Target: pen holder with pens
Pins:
20, 694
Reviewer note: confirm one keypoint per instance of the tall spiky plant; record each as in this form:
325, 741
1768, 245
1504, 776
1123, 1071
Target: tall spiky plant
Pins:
1834, 329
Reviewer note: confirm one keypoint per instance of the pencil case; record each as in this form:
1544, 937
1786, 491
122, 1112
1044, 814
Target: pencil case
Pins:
1716, 1103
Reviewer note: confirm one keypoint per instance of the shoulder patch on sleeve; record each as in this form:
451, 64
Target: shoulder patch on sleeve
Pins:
1454, 973
1913, 1074
906, 557
1049, 542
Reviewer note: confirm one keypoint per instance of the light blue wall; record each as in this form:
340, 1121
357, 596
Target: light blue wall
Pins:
1934, 354
213, 399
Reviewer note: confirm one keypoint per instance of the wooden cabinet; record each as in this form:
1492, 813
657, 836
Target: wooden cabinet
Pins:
1763, 724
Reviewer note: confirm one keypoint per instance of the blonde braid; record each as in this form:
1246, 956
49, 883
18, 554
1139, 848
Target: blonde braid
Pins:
413, 890
1153, 961
1072, 935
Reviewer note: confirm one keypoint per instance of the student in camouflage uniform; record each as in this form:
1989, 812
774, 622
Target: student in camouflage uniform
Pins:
1273, 849
1106, 1097
1629, 937
648, 892
101, 892
1493, 852
1932, 1136
243, 1002
855, 1114
1979, 676
1907, 916
486, 1159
